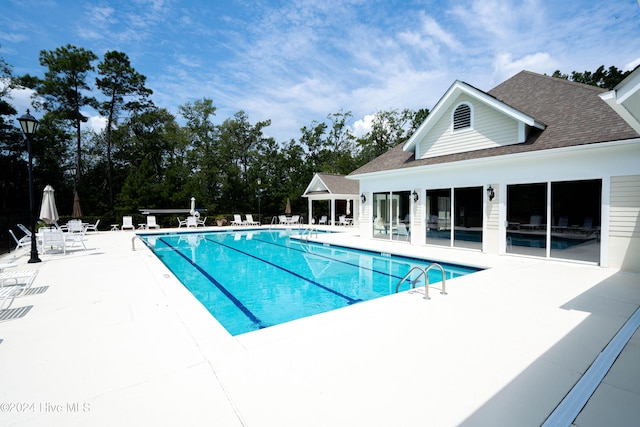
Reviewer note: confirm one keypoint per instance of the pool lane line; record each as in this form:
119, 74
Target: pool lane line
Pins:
332, 259
222, 289
293, 273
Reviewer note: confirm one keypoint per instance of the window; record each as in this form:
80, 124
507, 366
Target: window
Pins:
462, 117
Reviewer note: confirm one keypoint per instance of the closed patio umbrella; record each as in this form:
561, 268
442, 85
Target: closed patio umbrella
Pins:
287, 210
193, 206
77, 210
48, 210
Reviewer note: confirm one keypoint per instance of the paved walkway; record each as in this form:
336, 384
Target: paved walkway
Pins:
110, 337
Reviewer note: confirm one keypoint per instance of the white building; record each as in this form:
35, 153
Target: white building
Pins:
537, 166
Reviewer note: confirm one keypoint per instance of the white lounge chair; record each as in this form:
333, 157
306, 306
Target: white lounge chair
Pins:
342, 220
323, 220
250, 220
127, 223
294, 219
181, 222
7, 295
93, 227
23, 241
151, 222
18, 278
237, 220
202, 222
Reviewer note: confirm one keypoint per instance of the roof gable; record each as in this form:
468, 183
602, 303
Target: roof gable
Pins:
574, 115
423, 146
625, 99
324, 183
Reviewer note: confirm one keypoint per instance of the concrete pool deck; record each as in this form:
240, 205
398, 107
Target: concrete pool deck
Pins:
112, 338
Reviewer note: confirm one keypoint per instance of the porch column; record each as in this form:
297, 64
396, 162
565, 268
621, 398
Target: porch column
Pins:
310, 210
333, 211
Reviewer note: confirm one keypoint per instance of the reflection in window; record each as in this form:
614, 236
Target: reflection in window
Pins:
439, 217
527, 219
468, 220
575, 213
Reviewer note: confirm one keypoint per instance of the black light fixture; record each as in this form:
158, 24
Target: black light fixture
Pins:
363, 198
29, 124
415, 195
490, 193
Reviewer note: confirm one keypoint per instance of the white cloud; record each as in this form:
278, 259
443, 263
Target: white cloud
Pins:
362, 126
505, 66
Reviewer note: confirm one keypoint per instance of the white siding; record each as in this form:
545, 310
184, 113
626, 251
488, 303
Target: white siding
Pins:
625, 206
490, 129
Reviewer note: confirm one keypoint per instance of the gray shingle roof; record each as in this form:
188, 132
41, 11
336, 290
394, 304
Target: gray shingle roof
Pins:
573, 112
338, 184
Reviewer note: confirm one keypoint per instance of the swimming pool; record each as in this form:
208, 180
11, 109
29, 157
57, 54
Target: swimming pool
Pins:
253, 279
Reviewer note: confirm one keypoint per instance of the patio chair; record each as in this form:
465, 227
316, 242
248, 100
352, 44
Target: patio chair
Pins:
294, 219
250, 220
403, 231
127, 223
323, 220
282, 219
181, 222
151, 222
93, 227
74, 237
237, 220
202, 222
192, 221
50, 238
342, 220
23, 241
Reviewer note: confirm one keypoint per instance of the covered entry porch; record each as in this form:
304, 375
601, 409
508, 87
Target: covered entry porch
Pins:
331, 197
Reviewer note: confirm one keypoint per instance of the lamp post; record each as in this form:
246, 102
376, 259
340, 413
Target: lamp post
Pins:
29, 124
259, 182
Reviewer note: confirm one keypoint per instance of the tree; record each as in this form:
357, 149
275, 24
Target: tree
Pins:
63, 86
119, 81
389, 128
204, 153
604, 78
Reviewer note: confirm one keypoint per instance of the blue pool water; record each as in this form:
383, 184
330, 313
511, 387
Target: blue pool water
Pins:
250, 279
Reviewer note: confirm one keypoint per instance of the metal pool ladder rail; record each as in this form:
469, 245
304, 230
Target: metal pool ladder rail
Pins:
307, 233
424, 272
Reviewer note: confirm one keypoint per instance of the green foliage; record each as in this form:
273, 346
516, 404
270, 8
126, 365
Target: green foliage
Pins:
604, 78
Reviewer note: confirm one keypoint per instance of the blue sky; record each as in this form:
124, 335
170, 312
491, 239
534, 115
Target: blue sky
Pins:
298, 61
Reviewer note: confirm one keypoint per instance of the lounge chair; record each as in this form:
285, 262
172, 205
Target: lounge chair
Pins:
22, 278
250, 220
237, 220
181, 222
93, 227
23, 241
342, 220
282, 219
7, 295
535, 223
202, 222
127, 223
151, 222
294, 219
25, 230
323, 220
